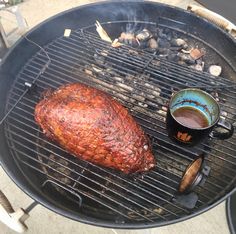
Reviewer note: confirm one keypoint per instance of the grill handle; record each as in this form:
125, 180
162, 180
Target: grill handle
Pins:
214, 18
13, 219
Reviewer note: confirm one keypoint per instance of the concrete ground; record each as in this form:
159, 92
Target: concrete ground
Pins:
43, 220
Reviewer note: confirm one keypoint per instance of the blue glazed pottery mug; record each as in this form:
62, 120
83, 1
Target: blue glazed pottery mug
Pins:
193, 115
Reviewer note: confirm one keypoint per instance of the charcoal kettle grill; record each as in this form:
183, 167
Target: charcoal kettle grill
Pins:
143, 82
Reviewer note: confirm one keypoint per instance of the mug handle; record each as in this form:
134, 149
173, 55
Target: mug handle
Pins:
222, 135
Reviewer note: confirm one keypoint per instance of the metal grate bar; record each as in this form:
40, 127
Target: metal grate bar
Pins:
72, 60
159, 182
165, 177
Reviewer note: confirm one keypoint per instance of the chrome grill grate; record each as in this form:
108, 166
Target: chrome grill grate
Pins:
143, 83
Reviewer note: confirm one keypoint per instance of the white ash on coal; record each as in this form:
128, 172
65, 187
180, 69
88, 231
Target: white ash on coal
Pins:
144, 35
215, 70
178, 42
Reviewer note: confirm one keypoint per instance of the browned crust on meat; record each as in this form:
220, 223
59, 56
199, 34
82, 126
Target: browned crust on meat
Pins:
93, 126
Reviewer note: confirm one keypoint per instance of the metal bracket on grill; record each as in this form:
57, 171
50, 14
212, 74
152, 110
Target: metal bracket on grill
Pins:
186, 200
30, 86
205, 172
66, 189
189, 200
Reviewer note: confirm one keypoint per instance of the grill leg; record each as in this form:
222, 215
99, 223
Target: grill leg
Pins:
18, 31
13, 219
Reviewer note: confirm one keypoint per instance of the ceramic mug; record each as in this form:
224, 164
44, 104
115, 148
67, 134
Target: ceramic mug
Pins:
193, 115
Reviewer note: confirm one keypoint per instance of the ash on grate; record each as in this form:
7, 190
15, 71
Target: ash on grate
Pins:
138, 91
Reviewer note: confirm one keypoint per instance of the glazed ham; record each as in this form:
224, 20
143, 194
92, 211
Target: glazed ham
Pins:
93, 126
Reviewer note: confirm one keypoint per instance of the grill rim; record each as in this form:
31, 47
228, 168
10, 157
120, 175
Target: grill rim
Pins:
24, 185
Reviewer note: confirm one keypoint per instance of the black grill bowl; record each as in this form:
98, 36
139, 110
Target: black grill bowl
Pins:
88, 193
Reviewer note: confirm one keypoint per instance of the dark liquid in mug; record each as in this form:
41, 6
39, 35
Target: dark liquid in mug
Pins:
191, 117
